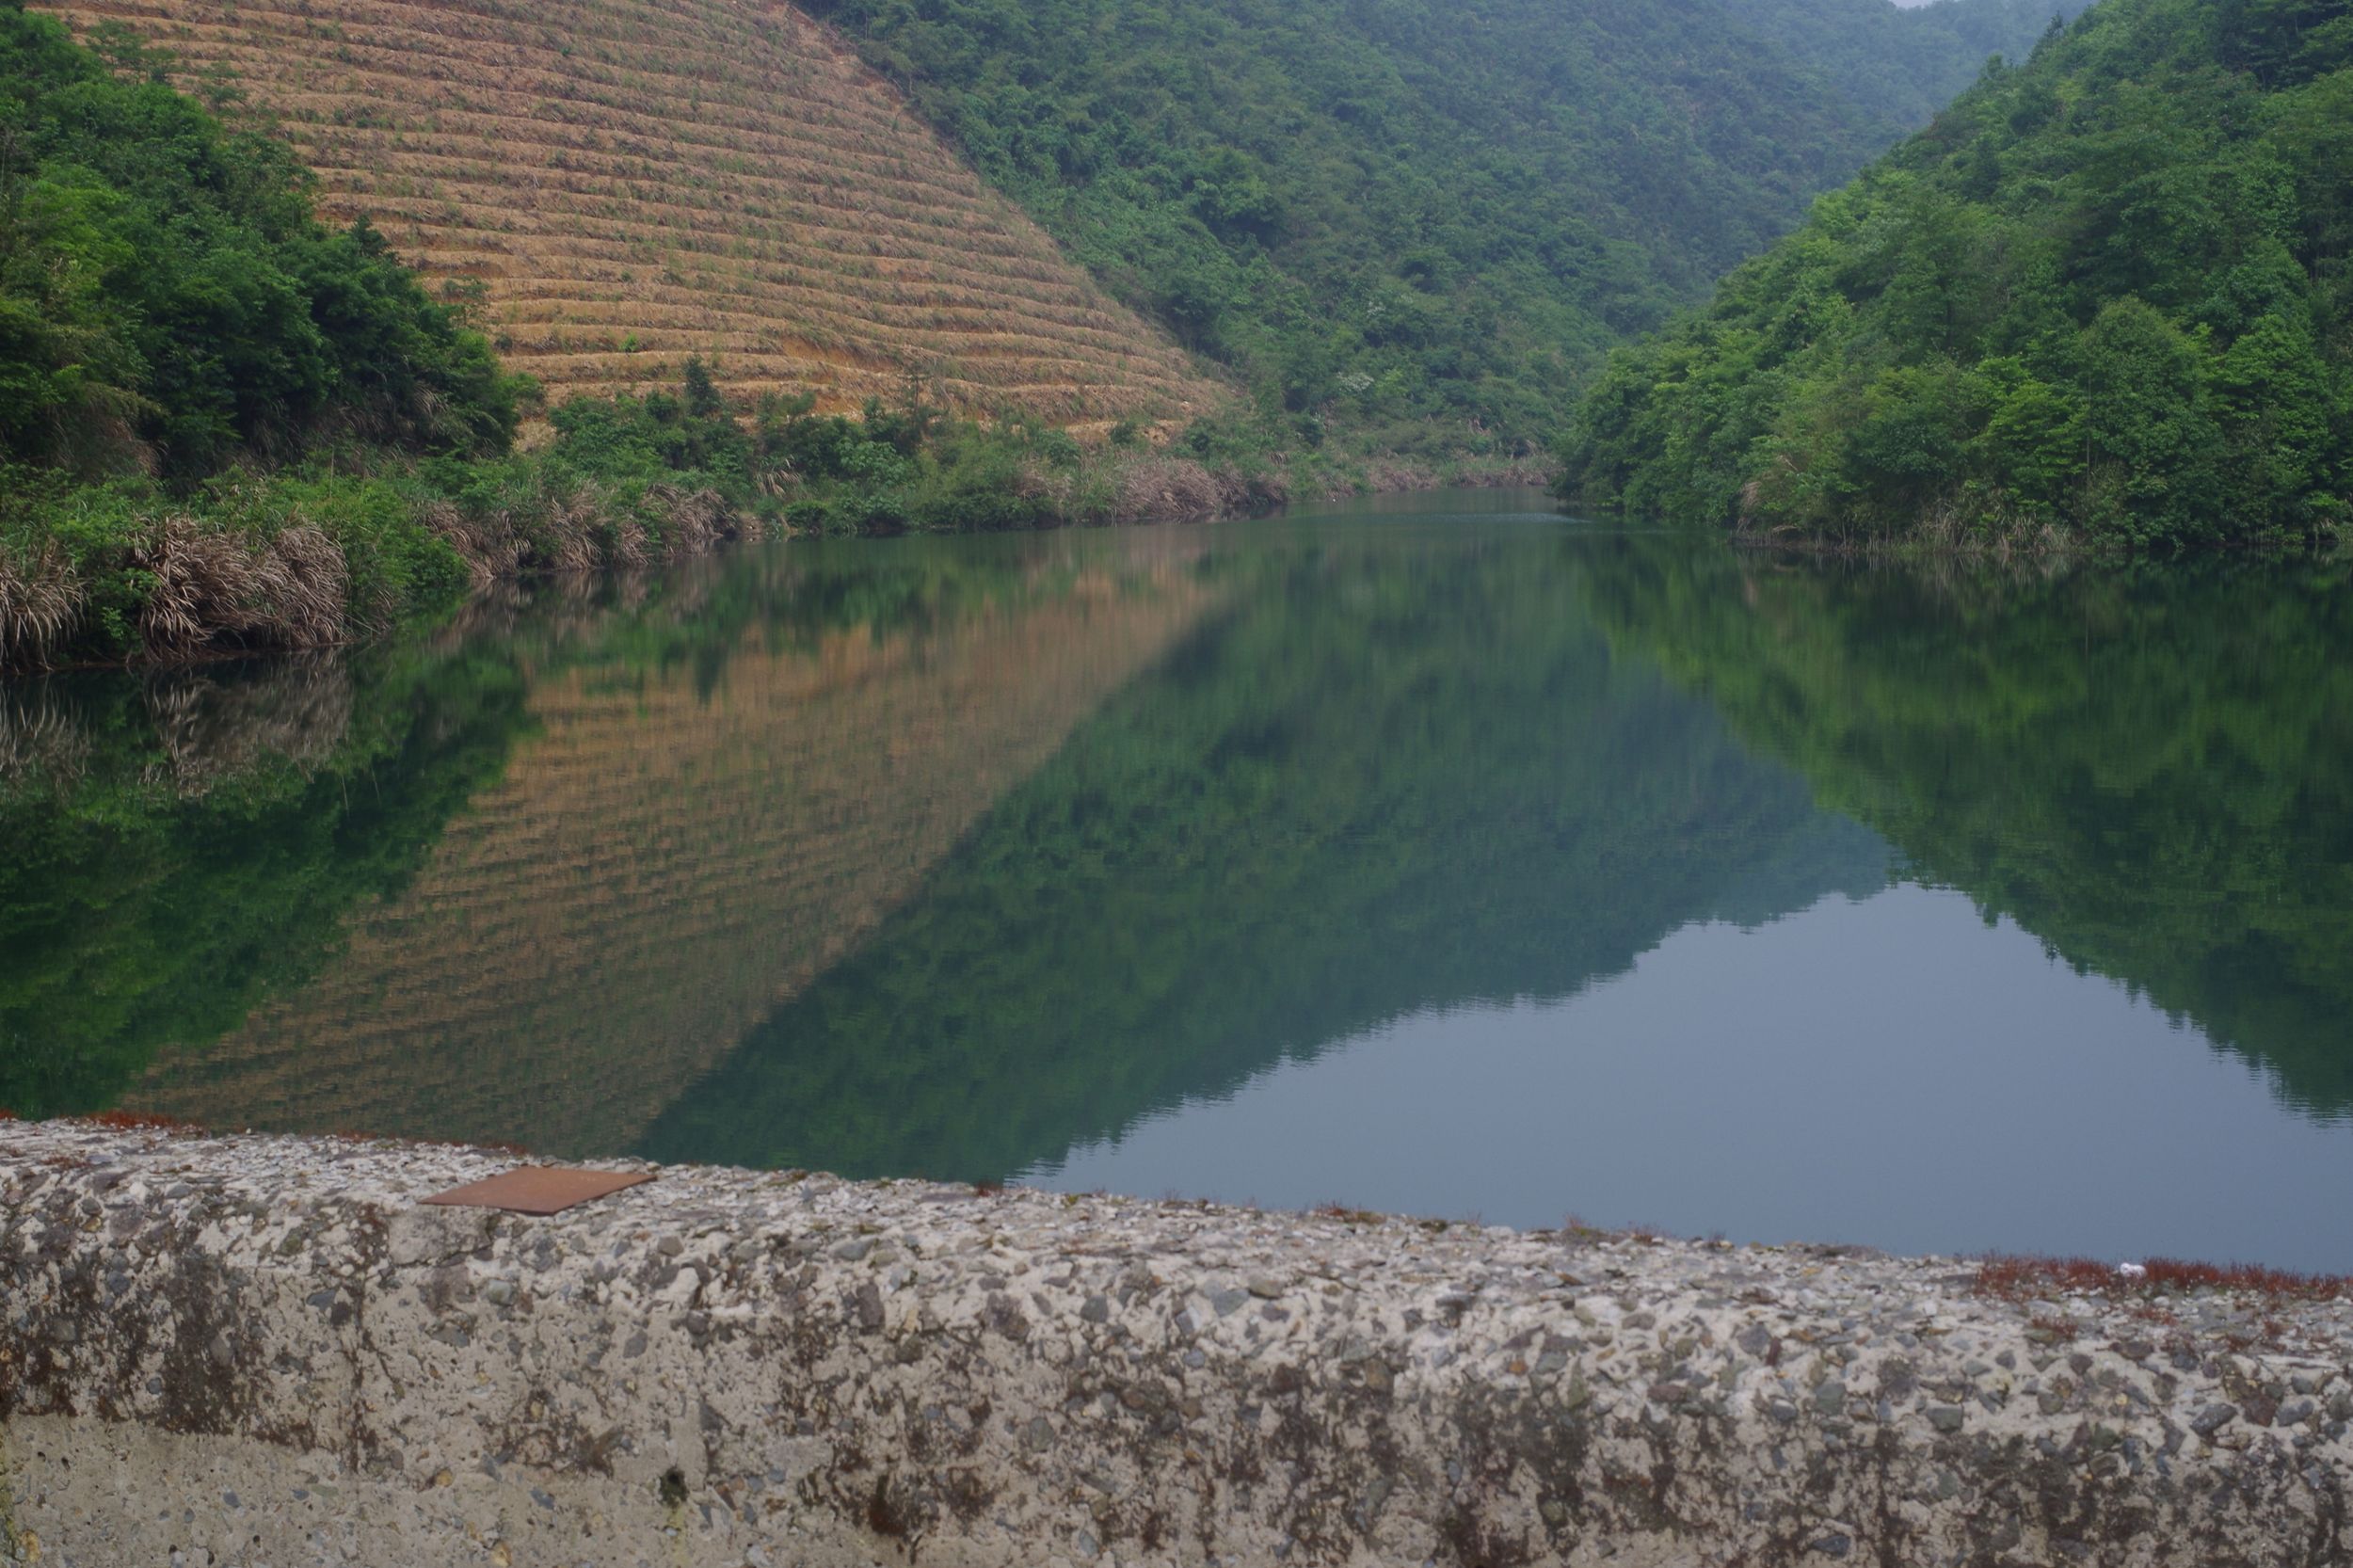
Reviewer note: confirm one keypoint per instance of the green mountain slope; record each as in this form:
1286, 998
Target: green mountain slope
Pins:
1396, 210
2105, 291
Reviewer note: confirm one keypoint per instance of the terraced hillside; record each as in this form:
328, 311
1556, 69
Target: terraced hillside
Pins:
584, 944
635, 180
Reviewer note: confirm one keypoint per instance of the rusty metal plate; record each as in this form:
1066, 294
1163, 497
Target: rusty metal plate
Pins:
539, 1189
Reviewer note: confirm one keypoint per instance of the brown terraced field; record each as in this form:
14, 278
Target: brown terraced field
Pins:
636, 180
585, 943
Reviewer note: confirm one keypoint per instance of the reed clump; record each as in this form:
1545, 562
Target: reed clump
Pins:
1167, 489
208, 588
41, 602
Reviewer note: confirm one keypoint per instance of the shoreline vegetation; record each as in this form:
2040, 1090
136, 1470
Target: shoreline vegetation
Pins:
126, 571
2042, 549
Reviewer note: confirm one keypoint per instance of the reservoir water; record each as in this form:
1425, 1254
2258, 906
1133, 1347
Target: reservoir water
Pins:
1447, 856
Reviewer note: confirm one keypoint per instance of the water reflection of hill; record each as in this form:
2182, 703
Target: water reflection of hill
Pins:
1382, 780
944, 856
2153, 771
683, 842
175, 848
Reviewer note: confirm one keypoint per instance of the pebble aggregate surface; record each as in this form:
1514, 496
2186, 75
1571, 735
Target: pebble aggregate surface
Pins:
269, 1350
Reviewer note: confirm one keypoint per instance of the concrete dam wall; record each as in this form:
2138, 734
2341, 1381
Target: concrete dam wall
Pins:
270, 1351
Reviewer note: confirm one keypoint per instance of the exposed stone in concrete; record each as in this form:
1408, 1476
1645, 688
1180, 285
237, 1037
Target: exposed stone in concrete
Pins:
267, 1351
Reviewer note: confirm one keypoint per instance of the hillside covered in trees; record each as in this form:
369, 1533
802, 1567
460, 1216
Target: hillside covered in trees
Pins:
2106, 296
1405, 215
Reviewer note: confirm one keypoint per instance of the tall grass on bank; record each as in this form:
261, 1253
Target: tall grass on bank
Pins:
358, 540
41, 601
128, 572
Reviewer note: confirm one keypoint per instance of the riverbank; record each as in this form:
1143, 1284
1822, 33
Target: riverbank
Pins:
125, 573
1942, 536
270, 1348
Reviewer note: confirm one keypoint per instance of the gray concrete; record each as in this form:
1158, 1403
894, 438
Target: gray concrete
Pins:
260, 1351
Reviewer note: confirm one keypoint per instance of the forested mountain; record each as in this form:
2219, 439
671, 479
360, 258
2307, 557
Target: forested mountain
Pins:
1392, 212
2106, 293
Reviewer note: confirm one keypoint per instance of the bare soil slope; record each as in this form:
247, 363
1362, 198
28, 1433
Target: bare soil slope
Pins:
636, 180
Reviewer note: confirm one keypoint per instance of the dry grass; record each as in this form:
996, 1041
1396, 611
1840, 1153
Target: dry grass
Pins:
491, 549
629, 183
213, 588
582, 529
695, 519
1167, 489
1400, 476
41, 601
2024, 1278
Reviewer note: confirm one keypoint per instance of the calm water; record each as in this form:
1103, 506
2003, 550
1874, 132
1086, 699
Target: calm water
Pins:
1444, 858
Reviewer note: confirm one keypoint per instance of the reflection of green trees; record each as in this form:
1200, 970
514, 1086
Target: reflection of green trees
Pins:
158, 884
1388, 780
2153, 772
180, 848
